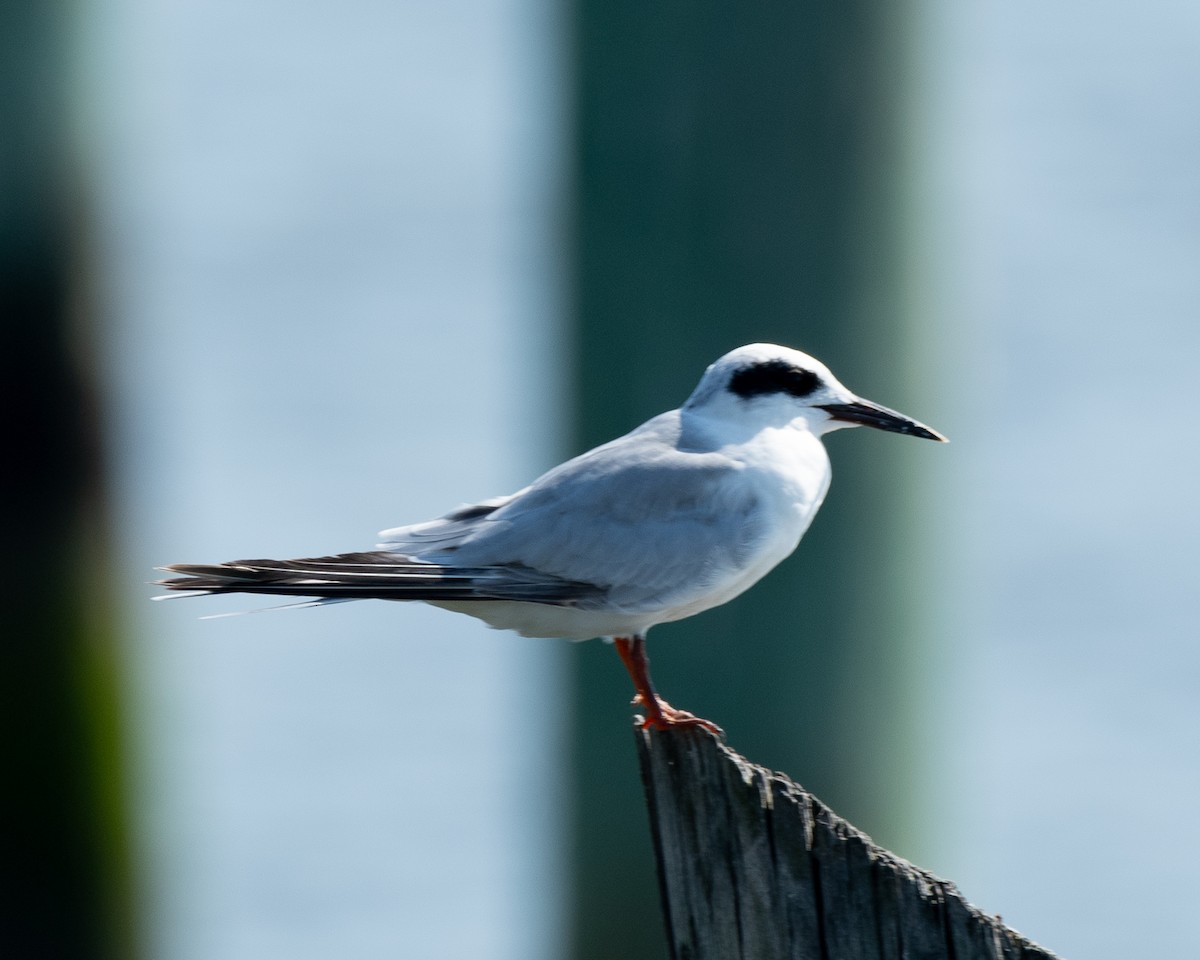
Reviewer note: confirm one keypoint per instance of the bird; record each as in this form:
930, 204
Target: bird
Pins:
678, 516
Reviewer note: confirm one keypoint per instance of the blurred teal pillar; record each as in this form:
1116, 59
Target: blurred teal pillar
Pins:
64, 884
735, 176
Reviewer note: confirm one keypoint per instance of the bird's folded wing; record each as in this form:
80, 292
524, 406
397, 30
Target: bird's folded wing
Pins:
645, 532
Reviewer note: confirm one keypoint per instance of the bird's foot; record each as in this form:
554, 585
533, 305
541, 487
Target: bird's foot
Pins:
662, 716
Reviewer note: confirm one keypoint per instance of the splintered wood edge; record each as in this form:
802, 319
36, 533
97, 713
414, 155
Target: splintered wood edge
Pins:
754, 859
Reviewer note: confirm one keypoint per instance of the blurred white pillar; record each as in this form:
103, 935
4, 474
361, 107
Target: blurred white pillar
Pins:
326, 240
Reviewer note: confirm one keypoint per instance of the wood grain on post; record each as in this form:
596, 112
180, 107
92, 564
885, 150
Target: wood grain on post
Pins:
752, 867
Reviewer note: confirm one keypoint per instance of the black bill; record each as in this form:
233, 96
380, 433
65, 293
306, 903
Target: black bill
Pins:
870, 414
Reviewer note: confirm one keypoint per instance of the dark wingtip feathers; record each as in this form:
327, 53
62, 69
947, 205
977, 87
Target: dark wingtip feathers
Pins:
378, 575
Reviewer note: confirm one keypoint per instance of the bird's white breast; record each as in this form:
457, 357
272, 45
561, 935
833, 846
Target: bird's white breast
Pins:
788, 470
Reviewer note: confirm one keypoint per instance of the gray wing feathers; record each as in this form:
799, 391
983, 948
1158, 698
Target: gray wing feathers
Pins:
630, 524
650, 541
445, 532
641, 528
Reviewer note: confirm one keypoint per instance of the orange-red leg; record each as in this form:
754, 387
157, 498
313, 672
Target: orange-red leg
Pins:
659, 713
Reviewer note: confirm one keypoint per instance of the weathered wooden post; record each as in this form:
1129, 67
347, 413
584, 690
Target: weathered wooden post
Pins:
752, 867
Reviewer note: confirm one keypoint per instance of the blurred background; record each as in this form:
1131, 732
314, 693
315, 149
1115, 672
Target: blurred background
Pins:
276, 277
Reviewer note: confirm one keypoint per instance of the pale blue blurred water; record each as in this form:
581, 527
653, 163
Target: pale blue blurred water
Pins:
328, 257
1059, 165
327, 240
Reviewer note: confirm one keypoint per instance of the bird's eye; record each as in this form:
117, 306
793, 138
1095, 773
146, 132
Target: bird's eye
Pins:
773, 376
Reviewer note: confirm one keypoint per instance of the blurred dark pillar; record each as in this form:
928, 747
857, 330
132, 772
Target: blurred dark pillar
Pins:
735, 180
63, 889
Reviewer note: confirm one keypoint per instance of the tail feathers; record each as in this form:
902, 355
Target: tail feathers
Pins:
379, 575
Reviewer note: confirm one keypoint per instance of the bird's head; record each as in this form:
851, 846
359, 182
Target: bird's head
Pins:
763, 384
